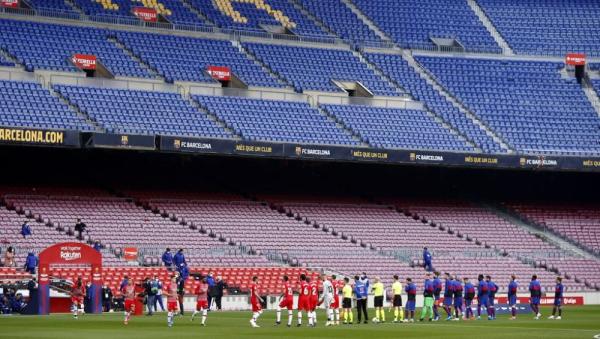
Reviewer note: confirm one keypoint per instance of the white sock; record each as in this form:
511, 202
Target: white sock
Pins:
170, 317
194, 314
329, 315
255, 316
336, 312
310, 318
314, 315
290, 317
204, 314
278, 314
300, 317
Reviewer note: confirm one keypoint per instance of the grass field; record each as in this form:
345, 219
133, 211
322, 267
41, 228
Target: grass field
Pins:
578, 322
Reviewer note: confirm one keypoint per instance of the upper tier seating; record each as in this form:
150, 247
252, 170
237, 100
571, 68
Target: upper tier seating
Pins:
27, 104
54, 5
402, 73
528, 103
552, 27
186, 59
267, 120
413, 23
172, 10
341, 20
49, 46
249, 15
577, 222
397, 128
315, 68
142, 112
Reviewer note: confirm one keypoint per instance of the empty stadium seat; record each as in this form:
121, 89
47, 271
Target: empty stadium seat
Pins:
414, 23
267, 120
397, 128
315, 68
551, 27
27, 104
527, 103
49, 46
186, 59
400, 71
142, 112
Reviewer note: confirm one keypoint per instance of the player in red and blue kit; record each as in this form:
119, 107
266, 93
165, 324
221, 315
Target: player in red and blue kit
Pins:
558, 299
535, 290
458, 299
512, 296
437, 290
448, 293
482, 296
411, 292
492, 289
469, 296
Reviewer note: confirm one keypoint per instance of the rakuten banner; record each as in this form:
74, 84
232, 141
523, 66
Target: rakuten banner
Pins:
9, 3
84, 61
146, 14
575, 59
219, 72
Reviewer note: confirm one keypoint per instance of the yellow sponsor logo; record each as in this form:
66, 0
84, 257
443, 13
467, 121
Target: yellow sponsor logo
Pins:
124, 140
32, 136
177, 143
591, 163
253, 148
369, 155
481, 160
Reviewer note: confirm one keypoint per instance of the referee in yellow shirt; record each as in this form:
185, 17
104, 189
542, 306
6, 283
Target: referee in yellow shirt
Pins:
378, 291
347, 291
397, 301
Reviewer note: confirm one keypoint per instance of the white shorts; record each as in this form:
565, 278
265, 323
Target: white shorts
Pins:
327, 302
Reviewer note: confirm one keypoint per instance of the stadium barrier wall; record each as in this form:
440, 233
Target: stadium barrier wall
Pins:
340, 153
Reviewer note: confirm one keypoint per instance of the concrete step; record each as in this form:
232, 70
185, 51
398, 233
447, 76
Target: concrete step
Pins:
137, 59
213, 117
381, 34
487, 23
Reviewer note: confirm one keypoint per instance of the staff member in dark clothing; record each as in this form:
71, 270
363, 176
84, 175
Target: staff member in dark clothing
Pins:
80, 228
210, 280
220, 286
360, 290
107, 297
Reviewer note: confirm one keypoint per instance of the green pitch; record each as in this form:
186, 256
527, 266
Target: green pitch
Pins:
578, 322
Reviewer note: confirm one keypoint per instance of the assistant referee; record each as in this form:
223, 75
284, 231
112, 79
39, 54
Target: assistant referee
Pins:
397, 299
378, 292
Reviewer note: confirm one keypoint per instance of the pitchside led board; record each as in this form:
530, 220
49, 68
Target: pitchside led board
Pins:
70, 254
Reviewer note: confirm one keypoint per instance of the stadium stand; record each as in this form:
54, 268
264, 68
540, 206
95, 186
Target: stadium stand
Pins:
27, 104
577, 222
341, 20
172, 10
4, 62
267, 120
310, 68
249, 15
412, 24
528, 103
547, 27
49, 46
54, 5
142, 112
397, 128
398, 234
177, 54
401, 72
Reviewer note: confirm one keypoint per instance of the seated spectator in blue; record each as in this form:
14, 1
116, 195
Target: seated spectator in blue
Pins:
179, 258
427, 260
167, 259
25, 229
31, 263
97, 246
4, 305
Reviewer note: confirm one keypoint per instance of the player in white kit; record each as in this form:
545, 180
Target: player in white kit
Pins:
327, 299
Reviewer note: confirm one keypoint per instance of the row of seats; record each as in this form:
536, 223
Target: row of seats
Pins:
414, 23
527, 103
264, 120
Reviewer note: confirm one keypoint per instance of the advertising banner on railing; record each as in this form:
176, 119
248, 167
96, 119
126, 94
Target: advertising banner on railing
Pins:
128, 141
575, 59
145, 14
222, 73
130, 253
9, 3
84, 61
41, 137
